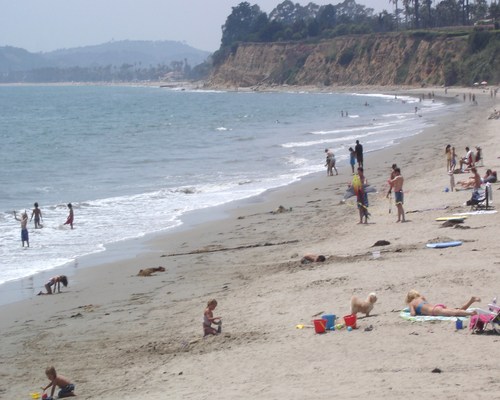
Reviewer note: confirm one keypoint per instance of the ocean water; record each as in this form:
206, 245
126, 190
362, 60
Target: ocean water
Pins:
133, 160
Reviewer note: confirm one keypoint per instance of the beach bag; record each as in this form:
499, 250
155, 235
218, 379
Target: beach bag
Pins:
479, 321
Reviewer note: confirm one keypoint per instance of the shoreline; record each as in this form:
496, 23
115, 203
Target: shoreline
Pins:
264, 291
27, 287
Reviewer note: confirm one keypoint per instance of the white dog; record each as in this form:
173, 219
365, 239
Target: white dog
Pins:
363, 306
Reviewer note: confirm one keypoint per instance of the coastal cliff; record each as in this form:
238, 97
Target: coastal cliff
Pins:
416, 59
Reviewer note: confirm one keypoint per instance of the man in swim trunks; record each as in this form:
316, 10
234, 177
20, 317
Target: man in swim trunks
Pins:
24, 228
397, 185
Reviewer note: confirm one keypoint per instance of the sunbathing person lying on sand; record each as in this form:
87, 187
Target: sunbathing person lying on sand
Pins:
420, 306
310, 258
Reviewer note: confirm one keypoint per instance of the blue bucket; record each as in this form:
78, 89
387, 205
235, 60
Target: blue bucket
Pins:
330, 321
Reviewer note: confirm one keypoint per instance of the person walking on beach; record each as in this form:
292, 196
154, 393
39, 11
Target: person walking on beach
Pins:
69, 220
359, 153
24, 227
330, 163
397, 184
209, 319
37, 213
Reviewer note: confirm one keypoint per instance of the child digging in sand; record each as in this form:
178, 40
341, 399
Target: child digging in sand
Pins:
66, 387
420, 306
209, 319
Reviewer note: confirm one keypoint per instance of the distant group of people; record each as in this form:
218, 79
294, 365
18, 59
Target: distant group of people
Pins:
355, 155
37, 215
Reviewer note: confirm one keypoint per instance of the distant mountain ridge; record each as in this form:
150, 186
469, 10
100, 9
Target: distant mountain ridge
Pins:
133, 52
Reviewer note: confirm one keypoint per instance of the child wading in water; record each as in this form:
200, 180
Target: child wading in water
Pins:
69, 220
24, 228
37, 213
64, 384
209, 319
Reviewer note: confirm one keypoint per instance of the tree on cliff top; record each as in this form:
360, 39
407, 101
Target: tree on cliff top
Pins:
243, 24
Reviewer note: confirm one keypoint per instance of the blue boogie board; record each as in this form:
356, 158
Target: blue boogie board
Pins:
443, 245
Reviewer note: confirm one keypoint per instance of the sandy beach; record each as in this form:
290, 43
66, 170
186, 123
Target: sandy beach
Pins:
116, 335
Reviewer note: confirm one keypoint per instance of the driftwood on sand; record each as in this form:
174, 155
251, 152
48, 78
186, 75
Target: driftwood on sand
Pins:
215, 249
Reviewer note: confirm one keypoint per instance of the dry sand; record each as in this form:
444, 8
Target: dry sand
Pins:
116, 335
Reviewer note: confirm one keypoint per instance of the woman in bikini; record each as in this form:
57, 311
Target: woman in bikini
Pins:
420, 306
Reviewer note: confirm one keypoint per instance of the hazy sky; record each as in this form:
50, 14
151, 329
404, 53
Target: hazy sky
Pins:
45, 25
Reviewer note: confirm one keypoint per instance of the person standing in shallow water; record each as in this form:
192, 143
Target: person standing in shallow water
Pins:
69, 220
24, 227
37, 213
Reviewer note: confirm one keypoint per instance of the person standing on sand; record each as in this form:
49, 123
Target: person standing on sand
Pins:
359, 153
69, 220
447, 153
362, 197
24, 228
37, 213
392, 176
397, 184
453, 162
352, 158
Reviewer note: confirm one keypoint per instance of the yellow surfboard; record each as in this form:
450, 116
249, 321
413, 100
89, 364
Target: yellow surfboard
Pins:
455, 218
356, 184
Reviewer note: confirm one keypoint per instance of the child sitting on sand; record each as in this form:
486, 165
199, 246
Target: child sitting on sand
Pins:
56, 280
420, 306
64, 384
209, 319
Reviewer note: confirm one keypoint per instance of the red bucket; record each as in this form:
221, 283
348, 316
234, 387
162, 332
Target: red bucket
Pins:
320, 325
350, 320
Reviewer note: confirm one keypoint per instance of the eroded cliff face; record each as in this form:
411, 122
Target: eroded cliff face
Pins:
390, 59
